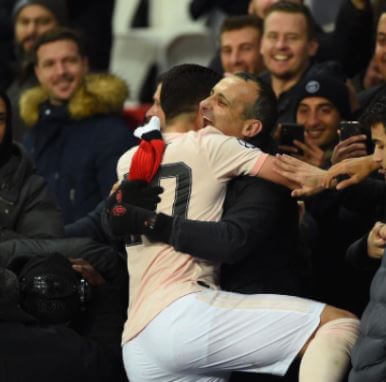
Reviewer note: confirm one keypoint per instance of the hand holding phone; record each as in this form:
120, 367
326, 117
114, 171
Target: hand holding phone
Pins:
288, 132
349, 129
359, 145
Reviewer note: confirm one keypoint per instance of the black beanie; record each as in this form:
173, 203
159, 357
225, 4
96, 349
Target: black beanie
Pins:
328, 87
57, 7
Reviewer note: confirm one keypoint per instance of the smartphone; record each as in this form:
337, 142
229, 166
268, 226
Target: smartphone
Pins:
289, 132
349, 129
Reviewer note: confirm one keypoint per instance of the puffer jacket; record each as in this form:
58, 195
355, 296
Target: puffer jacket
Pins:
76, 145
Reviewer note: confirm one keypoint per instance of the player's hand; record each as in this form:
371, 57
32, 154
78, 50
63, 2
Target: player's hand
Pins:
125, 219
136, 192
352, 147
310, 178
376, 241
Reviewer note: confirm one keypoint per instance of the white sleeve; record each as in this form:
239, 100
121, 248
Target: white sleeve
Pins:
124, 163
229, 156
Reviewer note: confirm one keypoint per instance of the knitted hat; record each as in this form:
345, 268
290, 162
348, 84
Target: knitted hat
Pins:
50, 288
326, 86
57, 7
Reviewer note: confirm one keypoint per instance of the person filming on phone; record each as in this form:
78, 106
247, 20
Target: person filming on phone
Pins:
321, 105
322, 109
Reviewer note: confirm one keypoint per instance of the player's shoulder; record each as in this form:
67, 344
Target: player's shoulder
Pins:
210, 133
126, 157
128, 154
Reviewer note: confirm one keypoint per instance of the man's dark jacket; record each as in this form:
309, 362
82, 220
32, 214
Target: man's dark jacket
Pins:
27, 208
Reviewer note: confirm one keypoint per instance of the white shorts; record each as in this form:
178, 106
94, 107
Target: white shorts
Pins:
204, 336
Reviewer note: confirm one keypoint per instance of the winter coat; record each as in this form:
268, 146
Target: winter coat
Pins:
368, 357
76, 145
27, 208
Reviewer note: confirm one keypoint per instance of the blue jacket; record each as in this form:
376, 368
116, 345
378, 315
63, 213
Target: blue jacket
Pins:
76, 146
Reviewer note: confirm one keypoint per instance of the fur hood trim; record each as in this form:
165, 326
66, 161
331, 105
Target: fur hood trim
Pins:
99, 94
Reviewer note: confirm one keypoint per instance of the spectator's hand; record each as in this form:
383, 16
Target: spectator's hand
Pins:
290, 150
356, 168
376, 241
352, 147
310, 178
312, 153
87, 271
135, 192
360, 5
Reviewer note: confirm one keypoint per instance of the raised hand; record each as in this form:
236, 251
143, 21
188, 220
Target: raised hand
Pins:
352, 147
357, 169
312, 153
376, 241
311, 179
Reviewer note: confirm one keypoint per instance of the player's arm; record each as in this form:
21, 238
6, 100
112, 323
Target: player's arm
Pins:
301, 177
252, 209
255, 211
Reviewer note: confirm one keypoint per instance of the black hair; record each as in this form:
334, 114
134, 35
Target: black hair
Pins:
375, 113
264, 109
289, 7
59, 34
184, 87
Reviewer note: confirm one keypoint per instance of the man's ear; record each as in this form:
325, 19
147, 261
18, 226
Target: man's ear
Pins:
313, 46
251, 128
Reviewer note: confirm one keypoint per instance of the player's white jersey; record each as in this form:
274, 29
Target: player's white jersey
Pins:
195, 169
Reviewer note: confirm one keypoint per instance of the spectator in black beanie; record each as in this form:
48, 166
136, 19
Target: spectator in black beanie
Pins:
321, 102
31, 18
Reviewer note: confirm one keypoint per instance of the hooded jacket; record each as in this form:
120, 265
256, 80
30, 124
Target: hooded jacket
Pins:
27, 209
76, 145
